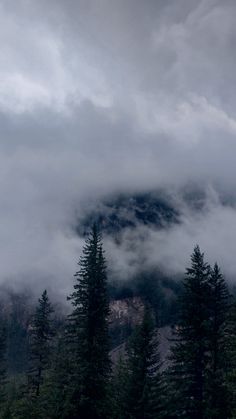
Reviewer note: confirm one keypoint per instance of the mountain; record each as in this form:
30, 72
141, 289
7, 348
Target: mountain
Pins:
115, 213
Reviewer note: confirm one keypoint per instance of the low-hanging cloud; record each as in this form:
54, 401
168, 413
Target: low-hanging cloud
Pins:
147, 247
105, 97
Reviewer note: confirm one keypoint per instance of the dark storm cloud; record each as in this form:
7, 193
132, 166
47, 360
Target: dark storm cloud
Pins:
105, 96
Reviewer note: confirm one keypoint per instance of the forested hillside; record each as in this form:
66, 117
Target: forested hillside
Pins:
139, 352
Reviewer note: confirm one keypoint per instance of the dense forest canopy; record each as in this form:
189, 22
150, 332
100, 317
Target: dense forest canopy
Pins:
86, 365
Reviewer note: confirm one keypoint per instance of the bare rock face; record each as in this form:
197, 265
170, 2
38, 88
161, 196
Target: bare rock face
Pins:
128, 311
163, 335
125, 314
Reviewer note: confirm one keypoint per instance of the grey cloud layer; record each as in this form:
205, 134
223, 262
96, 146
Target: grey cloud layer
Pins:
99, 97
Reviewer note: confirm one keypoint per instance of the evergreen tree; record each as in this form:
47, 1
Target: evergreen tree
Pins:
120, 387
60, 382
17, 337
2, 365
190, 354
40, 344
231, 358
218, 303
144, 387
88, 332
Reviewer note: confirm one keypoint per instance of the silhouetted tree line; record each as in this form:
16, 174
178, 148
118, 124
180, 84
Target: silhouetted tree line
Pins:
70, 374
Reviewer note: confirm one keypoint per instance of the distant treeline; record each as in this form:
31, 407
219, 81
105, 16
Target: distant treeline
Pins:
69, 371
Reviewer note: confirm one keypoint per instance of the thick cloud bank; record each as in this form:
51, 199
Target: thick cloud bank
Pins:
114, 96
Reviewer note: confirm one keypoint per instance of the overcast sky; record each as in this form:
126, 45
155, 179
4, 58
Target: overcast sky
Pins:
99, 96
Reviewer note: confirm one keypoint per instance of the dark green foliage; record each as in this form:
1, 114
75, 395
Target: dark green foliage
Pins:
197, 377
231, 352
40, 344
148, 286
70, 374
217, 395
60, 381
190, 353
119, 290
155, 288
2, 365
17, 353
120, 384
88, 332
119, 334
144, 387
17, 337
26, 408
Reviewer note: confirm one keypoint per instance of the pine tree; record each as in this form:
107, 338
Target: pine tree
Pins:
88, 332
190, 352
60, 381
218, 303
120, 387
40, 344
2, 365
144, 385
231, 358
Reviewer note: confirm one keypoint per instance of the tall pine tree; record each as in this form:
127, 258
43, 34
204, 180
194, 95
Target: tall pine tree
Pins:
190, 352
88, 333
2, 365
231, 358
144, 384
217, 399
40, 344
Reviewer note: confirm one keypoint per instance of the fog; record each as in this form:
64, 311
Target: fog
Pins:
98, 98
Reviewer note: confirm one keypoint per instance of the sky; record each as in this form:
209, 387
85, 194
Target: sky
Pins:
108, 96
